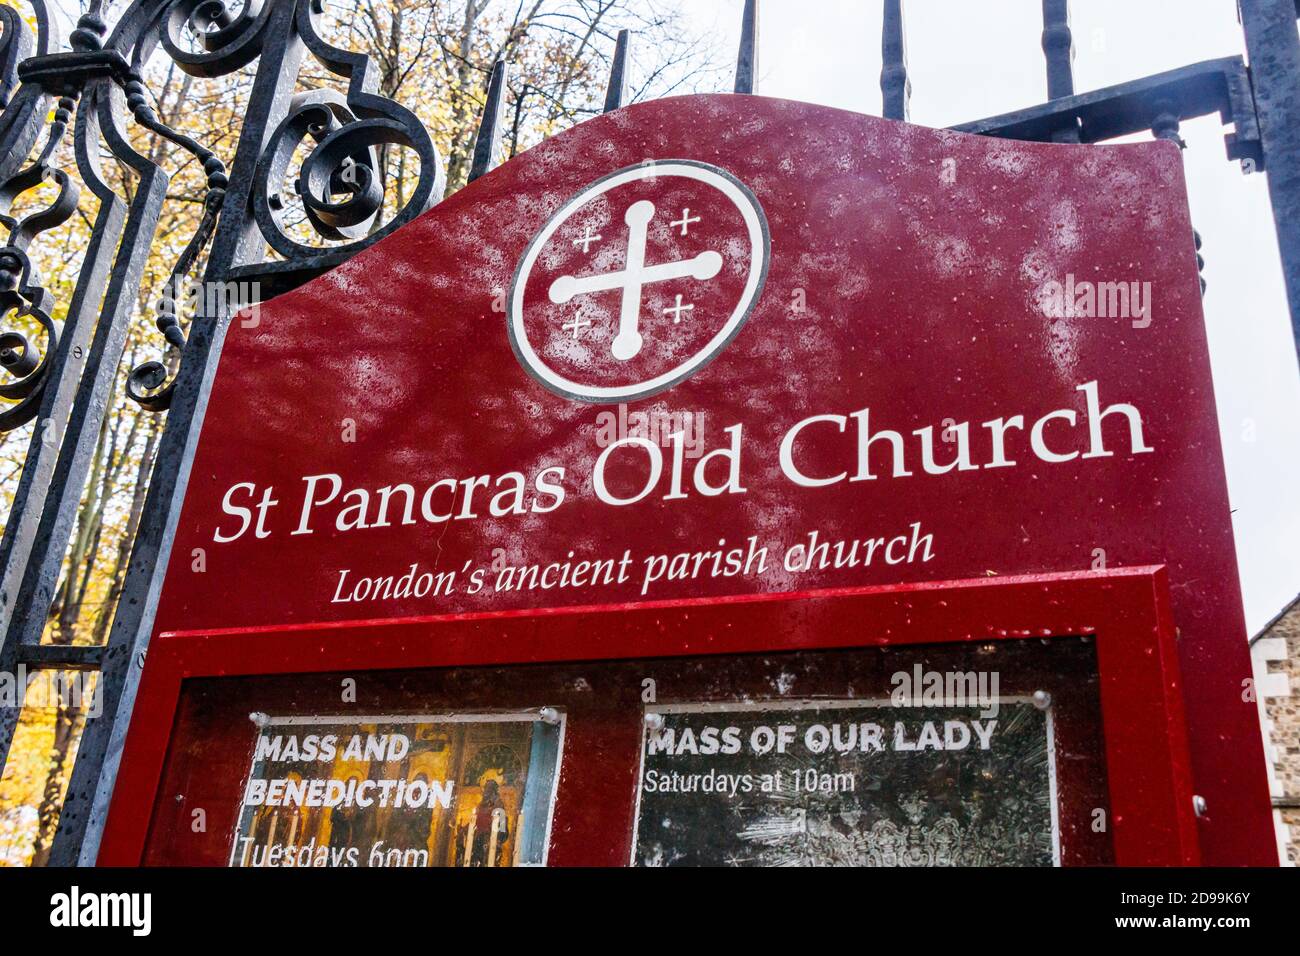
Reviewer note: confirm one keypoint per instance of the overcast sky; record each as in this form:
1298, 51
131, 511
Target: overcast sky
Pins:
968, 60
971, 59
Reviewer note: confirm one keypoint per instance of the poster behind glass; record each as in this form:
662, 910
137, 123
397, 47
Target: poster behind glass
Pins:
397, 791
847, 783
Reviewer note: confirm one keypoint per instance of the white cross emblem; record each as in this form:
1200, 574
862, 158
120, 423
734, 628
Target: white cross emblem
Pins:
586, 240
677, 309
633, 277
686, 221
716, 288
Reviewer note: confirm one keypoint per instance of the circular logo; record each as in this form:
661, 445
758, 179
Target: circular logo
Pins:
639, 281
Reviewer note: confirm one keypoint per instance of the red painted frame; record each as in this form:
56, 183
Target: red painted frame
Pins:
1127, 612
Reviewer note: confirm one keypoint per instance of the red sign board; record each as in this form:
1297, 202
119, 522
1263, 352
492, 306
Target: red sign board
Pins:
716, 346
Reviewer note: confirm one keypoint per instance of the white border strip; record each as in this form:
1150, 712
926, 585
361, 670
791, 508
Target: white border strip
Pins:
452, 718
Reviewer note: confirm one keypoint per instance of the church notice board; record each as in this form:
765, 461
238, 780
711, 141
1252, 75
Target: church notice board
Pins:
706, 351
754, 731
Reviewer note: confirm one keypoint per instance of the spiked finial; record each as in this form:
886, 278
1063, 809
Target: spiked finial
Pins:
487, 147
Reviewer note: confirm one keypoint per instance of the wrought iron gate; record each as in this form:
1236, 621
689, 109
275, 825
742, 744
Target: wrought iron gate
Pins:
95, 86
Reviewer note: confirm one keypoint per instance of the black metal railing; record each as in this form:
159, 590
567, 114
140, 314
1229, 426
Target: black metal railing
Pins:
60, 376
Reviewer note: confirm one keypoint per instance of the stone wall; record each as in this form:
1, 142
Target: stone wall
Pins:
1276, 658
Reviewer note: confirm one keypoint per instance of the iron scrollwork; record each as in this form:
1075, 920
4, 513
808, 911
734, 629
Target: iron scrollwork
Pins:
228, 42
21, 292
346, 131
340, 182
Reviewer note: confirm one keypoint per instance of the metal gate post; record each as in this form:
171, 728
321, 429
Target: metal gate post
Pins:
91, 786
1273, 48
